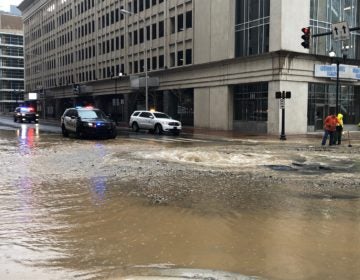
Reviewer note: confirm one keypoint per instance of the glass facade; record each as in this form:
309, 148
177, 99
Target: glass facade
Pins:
11, 71
251, 102
325, 12
252, 27
322, 97
322, 100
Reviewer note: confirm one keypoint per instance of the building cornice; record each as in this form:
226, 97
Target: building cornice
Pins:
29, 7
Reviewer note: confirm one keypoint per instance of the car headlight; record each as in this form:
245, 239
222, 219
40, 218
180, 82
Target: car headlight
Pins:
23, 114
88, 124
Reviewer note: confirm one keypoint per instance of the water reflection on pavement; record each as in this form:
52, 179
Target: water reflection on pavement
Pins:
120, 208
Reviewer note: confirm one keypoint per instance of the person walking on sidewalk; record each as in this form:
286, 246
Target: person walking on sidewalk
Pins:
329, 129
339, 129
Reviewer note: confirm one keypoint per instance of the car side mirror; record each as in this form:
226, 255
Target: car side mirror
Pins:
151, 117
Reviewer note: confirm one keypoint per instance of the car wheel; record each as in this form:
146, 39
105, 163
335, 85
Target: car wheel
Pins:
113, 134
158, 129
15, 119
135, 127
78, 133
65, 133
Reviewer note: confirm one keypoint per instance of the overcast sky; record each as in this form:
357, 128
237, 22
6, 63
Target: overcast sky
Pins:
5, 4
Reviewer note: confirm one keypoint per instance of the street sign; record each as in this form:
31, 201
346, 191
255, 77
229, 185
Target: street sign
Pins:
283, 94
282, 103
349, 72
340, 31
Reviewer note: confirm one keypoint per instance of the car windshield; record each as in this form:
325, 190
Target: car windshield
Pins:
161, 116
91, 114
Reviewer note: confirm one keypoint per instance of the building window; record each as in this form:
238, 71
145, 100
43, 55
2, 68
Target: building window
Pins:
154, 63
161, 29
251, 102
154, 34
188, 58
323, 14
141, 35
161, 61
180, 26
189, 19
252, 27
148, 33
322, 101
180, 58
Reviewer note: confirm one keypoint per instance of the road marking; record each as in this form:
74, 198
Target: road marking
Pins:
169, 140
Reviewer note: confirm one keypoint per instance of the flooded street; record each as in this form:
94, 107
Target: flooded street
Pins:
144, 205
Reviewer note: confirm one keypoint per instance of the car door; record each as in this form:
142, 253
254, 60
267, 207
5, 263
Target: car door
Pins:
74, 120
70, 120
144, 120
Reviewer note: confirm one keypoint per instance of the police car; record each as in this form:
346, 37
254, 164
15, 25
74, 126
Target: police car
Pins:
87, 121
25, 114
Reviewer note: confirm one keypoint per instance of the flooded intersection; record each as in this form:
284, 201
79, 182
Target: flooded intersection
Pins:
149, 206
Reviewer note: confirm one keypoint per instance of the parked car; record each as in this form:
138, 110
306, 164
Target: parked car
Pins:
87, 121
25, 113
153, 121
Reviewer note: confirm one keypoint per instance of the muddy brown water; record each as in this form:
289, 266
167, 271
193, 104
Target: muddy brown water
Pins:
110, 209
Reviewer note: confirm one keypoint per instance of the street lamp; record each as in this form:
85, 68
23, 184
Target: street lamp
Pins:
126, 12
332, 54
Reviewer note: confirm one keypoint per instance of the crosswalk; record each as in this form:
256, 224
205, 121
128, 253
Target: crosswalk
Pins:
168, 139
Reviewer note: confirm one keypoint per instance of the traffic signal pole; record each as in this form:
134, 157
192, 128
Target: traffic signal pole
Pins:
335, 29
330, 32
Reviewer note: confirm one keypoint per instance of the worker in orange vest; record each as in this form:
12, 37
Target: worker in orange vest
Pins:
330, 123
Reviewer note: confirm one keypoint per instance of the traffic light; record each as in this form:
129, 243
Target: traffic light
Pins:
306, 37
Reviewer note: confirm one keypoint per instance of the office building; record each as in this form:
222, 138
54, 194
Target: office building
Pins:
210, 63
11, 62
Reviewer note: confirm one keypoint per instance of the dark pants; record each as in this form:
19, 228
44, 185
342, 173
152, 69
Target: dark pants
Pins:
325, 137
338, 135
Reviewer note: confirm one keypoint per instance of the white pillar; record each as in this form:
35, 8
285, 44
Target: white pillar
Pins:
286, 20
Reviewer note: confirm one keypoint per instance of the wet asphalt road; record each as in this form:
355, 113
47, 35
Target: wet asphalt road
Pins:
190, 206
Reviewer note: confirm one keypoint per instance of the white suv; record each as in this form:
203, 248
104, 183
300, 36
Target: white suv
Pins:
157, 122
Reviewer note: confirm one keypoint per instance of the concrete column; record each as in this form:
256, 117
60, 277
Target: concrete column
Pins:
213, 108
214, 30
295, 108
126, 107
202, 107
286, 19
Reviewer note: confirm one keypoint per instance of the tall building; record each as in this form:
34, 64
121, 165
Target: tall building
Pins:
211, 63
11, 62
14, 10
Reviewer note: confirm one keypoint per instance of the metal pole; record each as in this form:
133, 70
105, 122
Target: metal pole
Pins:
146, 70
337, 86
145, 57
283, 136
